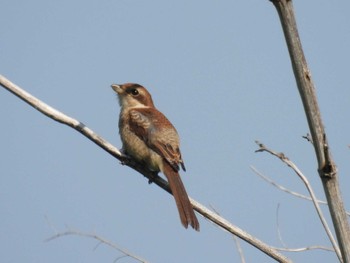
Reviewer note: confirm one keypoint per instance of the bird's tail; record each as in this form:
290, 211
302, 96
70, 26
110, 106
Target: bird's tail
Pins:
183, 203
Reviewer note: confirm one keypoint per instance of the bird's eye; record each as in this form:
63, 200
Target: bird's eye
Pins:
134, 92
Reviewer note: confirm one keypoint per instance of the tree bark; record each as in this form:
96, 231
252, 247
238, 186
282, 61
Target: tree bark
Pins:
326, 166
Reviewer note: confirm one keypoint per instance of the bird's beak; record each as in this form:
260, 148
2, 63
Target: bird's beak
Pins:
117, 88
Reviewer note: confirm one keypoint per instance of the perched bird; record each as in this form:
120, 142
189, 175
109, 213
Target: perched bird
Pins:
149, 138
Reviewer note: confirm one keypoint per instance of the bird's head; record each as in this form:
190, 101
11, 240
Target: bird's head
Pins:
133, 95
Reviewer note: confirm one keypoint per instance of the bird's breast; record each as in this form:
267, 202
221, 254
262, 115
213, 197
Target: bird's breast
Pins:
135, 147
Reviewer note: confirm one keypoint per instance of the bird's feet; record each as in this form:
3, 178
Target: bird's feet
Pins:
153, 176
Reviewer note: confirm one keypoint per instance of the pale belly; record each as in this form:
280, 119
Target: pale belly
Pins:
137, 149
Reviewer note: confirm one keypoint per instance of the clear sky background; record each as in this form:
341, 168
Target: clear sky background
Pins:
221, 73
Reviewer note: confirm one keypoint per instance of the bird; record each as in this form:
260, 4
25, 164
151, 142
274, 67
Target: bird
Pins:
149, 138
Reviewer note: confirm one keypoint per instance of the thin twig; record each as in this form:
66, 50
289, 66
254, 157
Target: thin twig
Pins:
302, 249
238, 245
278, 227
283, 158
308, 138
284, 189
91, 135
101, 240
239, 249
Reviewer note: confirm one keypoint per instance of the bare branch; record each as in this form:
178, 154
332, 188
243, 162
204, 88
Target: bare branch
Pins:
98, 238
308, 138
239, 249
223, 223
205, 212
238, 245
278, 227
281, 187
284, 189
283, 158
302, 249
326, 166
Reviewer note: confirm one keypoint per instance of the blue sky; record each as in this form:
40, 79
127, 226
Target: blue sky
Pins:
219, 71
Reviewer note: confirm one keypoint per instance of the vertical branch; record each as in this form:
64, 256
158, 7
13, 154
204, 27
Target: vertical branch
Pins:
326, 167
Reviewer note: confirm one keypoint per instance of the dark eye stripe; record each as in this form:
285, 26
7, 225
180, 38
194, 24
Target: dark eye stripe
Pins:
132, 90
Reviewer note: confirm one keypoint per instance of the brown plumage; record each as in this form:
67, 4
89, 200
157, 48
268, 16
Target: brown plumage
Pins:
183, 204
149, 137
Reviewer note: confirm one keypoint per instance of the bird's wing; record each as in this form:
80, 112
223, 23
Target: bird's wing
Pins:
158, 133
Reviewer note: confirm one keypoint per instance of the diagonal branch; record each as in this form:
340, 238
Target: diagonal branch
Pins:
284, 189
289, 163
91, 135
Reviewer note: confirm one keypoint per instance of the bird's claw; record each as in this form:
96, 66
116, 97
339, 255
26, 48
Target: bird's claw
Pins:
152, 177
